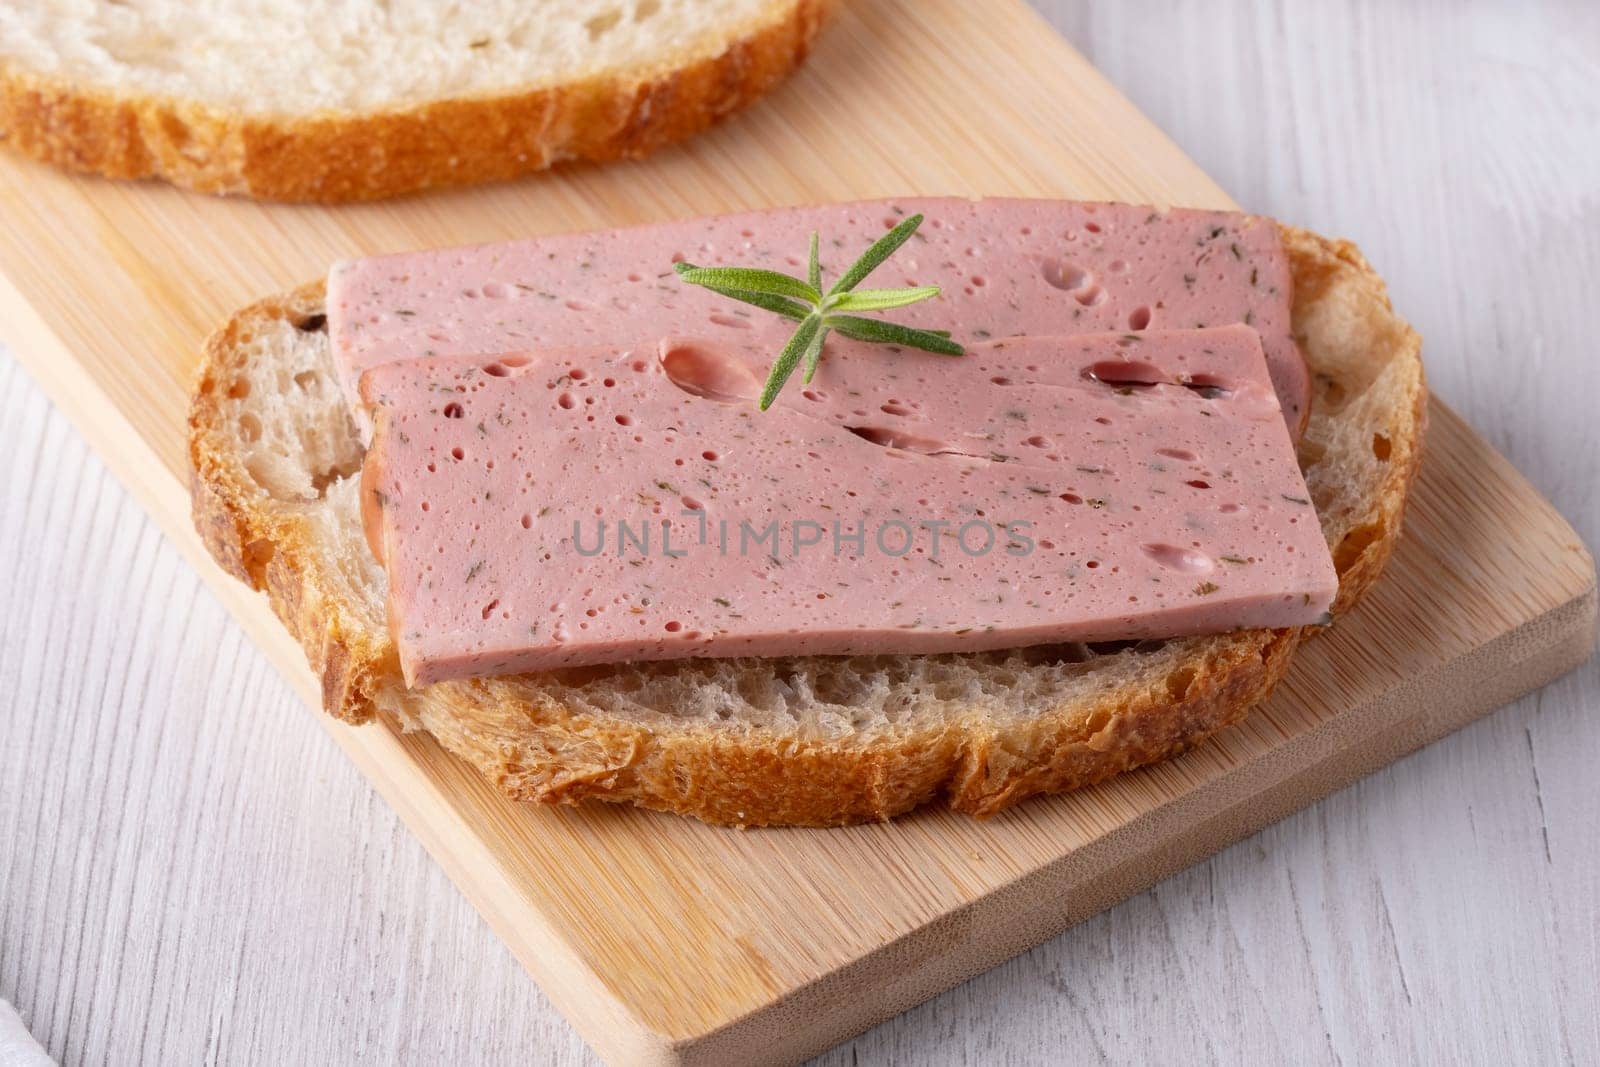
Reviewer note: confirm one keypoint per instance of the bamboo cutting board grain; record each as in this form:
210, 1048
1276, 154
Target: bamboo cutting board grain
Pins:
668, 941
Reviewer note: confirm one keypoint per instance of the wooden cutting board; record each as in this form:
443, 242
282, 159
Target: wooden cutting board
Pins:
667, 941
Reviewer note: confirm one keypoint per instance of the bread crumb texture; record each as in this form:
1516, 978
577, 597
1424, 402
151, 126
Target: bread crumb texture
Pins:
369, 99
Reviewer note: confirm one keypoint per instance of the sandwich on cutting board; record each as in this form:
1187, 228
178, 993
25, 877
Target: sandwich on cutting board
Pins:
805, 516
711, 516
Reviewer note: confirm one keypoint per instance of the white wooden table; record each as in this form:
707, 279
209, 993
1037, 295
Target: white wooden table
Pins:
189, 870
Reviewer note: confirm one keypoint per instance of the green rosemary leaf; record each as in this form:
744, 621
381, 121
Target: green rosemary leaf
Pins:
892, 333
814, 353
782, 305
789, 358
873, 257
752, 280
817, 314
881, 299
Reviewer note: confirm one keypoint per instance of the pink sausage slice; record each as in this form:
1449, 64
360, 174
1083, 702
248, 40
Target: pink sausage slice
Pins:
1007, 268
587, 506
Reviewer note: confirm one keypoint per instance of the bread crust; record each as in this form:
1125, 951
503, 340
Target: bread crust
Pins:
744, 778
538, 748
264, 549
1333, 280
334, 158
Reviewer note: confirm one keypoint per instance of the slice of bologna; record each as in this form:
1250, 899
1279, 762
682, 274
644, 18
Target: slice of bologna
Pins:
1005, 267
576, 506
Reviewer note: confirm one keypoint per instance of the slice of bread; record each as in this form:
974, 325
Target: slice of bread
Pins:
817, 741
367, 99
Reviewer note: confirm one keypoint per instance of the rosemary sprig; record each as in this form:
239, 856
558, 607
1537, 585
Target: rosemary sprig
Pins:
820, 312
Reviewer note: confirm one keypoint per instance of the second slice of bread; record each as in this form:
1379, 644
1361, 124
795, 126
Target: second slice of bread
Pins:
362, 99
797, 740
